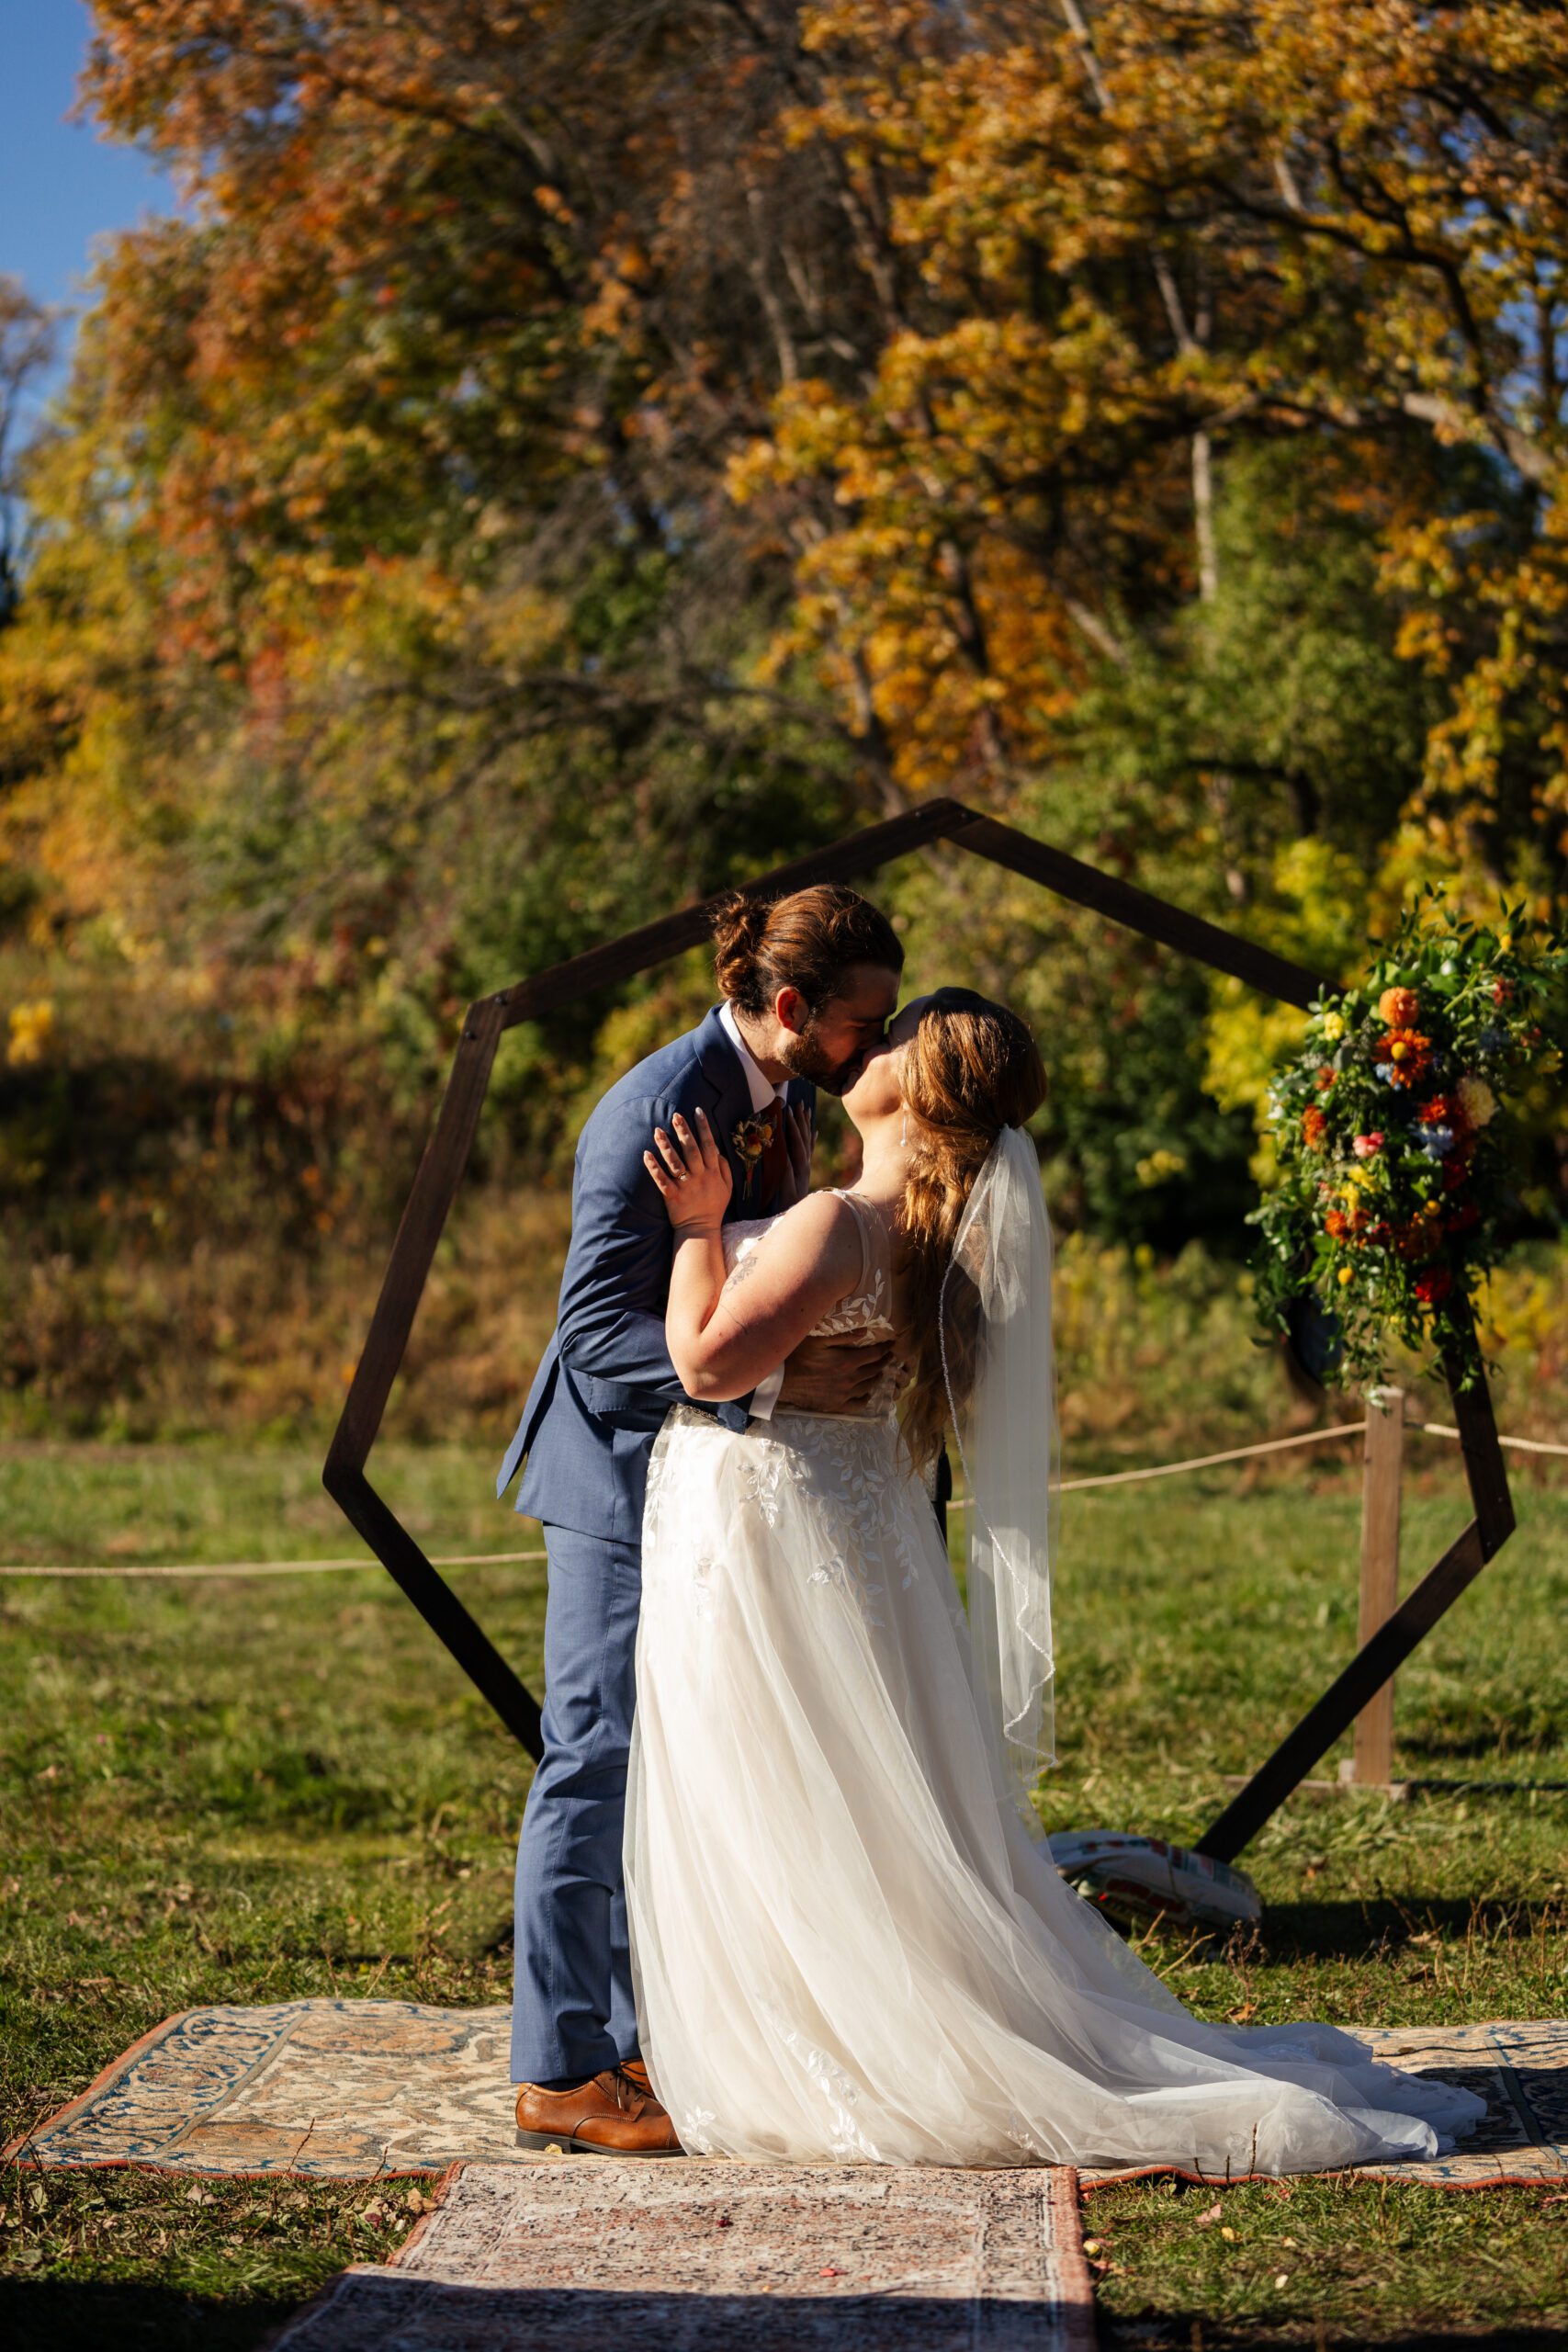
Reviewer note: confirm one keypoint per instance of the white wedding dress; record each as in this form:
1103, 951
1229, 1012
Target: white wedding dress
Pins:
846, 1944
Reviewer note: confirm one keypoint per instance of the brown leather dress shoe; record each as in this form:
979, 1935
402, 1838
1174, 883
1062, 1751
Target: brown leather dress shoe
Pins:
615, 2114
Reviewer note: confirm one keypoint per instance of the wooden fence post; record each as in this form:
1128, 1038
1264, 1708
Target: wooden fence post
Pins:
1373, 1763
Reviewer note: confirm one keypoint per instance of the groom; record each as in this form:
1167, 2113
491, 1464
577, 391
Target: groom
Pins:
808, 984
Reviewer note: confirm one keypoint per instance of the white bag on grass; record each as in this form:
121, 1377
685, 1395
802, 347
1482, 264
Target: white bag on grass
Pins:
1136, 1878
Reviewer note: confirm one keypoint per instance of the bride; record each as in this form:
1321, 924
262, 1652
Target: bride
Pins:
847, 1941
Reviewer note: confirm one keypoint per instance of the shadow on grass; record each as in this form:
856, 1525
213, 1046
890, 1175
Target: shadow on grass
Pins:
88, 2315
58, 2315
1185, 2331
1360, 1930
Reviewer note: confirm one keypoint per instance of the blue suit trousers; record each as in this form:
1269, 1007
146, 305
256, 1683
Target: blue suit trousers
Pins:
573, 2009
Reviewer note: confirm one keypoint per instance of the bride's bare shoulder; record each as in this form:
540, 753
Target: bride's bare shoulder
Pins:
821, 1228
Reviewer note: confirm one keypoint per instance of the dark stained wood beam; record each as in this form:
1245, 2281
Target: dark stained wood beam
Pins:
419, 1230
1374, 1664
655, 943
1086, 886
447, 1154
437, 1604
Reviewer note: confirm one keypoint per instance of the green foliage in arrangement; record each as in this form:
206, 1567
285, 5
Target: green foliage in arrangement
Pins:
1393, 1139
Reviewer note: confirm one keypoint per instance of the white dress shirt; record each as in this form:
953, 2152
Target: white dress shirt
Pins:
764, 1091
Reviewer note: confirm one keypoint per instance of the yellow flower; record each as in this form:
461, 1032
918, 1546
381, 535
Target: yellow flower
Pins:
1334, 1027
1346, 1273
1476, 1100
32, 1025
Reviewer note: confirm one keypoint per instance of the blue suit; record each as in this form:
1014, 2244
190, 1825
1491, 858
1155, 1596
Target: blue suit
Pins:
594, 1409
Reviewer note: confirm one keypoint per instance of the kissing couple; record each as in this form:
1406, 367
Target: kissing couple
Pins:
793, 1906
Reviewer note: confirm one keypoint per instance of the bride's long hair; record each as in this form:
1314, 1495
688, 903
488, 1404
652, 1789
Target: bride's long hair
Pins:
970, 1069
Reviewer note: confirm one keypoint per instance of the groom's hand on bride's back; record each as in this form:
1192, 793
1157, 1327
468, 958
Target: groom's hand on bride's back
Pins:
833, 1375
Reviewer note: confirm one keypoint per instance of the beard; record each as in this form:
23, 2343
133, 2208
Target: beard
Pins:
803, 1056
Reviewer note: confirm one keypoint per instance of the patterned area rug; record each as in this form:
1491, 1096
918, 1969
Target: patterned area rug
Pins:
595, 2256
353, 2089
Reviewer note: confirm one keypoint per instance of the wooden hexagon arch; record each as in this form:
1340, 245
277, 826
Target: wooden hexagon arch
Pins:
447, 1154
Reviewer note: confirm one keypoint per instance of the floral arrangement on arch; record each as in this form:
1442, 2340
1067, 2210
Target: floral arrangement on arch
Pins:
1393, 1144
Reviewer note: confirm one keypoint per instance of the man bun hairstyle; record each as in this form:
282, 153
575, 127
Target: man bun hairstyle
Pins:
807, 941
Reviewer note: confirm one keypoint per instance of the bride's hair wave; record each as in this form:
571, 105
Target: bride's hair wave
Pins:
970, 1069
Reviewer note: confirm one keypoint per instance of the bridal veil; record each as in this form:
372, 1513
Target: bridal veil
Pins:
995, 1312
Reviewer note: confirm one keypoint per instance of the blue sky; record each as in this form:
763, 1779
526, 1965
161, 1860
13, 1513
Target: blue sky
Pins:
60, 185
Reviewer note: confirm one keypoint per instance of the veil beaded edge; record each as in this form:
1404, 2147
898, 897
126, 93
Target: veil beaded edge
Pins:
1008, 1447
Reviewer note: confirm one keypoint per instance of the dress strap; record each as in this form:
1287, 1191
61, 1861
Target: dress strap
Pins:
874, 1245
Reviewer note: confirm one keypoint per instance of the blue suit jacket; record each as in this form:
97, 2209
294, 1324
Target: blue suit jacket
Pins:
607, 1381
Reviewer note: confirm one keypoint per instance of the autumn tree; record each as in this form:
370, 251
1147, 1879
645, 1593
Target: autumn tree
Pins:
564, 457
27, 346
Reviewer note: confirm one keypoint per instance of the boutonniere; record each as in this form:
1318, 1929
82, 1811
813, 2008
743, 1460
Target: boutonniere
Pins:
748, 1142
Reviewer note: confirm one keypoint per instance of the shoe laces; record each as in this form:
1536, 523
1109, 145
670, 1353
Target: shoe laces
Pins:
630, 2098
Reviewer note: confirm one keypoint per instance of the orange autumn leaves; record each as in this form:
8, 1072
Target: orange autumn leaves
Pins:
1117, 241
936, 333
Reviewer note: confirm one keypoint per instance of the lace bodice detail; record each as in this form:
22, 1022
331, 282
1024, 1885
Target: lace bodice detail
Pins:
869, 1306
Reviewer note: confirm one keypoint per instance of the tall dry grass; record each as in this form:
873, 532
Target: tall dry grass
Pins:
257, 1340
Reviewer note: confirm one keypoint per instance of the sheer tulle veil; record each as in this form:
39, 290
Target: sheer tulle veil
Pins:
1009, 1448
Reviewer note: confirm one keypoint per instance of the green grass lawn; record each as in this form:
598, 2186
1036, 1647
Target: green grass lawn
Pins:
251, 1790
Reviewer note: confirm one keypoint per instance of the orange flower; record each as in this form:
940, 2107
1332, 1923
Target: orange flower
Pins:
1313, 1125
1336, 1224
1398, 1007
1407, 1053
1434, 1113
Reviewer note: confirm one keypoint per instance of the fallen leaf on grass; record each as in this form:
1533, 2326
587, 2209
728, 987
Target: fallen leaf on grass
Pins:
1211, 2215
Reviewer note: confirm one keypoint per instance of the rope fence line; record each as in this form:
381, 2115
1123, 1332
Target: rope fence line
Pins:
1206, 1461
269, 1567
960, 1502
1271, 1445
1520, 1445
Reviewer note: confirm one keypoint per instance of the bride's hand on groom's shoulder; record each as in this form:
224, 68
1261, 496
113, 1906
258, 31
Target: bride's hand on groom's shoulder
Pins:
692, 1173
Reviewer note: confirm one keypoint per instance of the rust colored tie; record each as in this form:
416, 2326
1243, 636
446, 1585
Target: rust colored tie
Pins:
775, 1154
